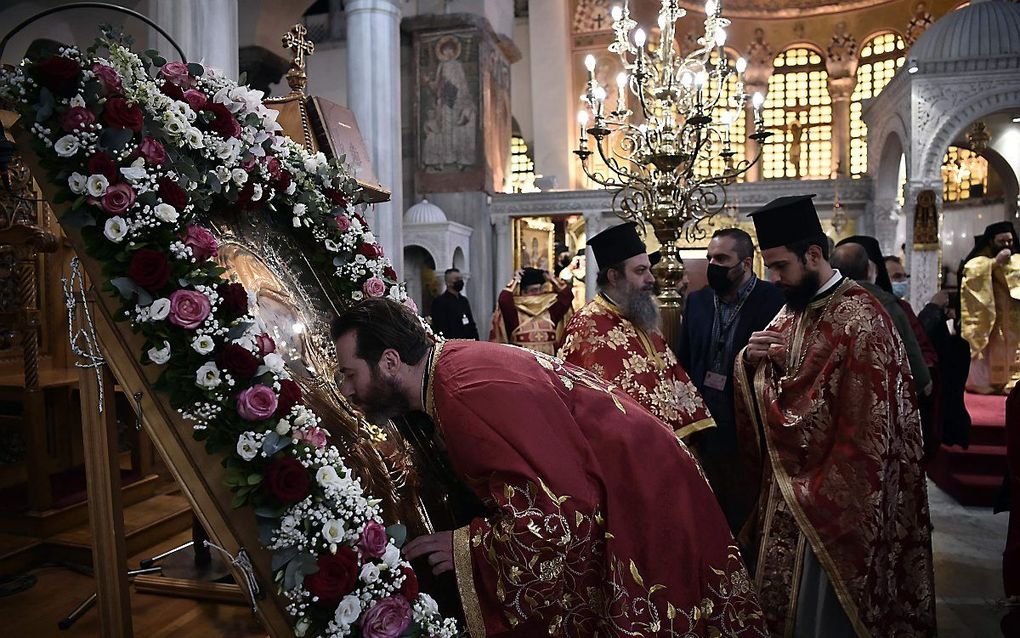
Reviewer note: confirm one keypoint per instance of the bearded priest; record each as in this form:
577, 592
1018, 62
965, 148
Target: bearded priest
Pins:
618, 334
828, 422
596, 520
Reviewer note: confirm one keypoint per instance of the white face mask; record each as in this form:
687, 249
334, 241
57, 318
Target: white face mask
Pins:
901, 289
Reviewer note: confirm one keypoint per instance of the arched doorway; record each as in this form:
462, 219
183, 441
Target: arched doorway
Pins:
423, 282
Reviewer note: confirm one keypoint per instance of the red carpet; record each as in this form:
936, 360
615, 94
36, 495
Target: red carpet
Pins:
974, 476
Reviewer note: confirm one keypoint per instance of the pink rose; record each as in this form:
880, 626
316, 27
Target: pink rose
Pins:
176, 72
316, 437
373, 540
265, 344
388, 619
201, 242
195, 99
152, 151
343, 222
118, 198
77, 117
109, 78
257, 403
188, 308
410, 304
374, 287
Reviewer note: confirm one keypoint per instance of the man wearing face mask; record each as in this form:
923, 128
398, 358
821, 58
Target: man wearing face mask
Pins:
718, 321
451, 312
898, 277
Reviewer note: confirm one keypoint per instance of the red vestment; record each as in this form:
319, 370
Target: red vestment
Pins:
839, 467
600, 521
601, 340
536, 322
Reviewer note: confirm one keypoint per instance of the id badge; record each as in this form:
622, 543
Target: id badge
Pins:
715, 381
464, 320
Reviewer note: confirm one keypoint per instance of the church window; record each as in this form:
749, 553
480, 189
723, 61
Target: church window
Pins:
798, 112
964, 175
880, 57
522, 167
726, 111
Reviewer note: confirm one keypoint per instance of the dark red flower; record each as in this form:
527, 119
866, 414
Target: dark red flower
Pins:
337, 197
290, 395
172, 194
389, 273
233, 299
109, 78
238, 361
337, 576
102, 164
370, 250
195, 99
59, 74
273, 166
223, 121
409, 589
287, 481
283, 181
149, 268
120, 113
172, 91
118, 199
76, 117
265, 344
152, 150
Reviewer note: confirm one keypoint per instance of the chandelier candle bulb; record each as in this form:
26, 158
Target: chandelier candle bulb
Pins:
639, 38
616, 13
741, 67
621, 93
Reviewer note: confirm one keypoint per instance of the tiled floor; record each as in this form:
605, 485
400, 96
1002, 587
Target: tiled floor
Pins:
968, 544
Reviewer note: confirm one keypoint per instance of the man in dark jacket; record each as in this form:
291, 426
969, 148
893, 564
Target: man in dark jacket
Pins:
718, 321
451, 312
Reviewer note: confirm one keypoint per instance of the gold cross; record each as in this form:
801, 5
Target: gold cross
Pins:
296, 42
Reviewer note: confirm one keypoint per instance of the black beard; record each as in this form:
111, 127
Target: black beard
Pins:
384, 401
800, 295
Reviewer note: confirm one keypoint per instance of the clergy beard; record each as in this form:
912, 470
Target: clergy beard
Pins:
800, 295
384, 401
639, 307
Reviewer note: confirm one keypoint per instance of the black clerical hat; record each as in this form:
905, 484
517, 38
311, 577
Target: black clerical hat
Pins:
998, 228
531, 277
616, 245
785, 221
874, 250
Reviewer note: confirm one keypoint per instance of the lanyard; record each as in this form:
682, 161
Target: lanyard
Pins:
720, 332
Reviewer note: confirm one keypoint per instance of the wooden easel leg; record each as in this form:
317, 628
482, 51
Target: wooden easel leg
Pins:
106, 514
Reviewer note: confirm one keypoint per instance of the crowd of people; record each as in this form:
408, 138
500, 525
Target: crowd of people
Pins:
766, 478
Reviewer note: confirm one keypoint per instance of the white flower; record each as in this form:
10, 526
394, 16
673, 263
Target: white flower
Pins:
297, 222
66, 146
300, 209
327, 477
357, 295
369, 573
283, 427
239, 175
292, 188
288, 524
134, 173
166, 212
77, 100
396, 294
77, 183
301, 628
331, 246
247, 446
348, 610
256, 192
203, 344
159, 309
97, 185
275, 363
194, 138
208, 376
175, 124
333, 531
223, 174
369, 238
115, 229
159, 356
428, 604
391, 557
310, 164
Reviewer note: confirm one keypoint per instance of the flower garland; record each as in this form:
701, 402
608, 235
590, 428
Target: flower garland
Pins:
143, 149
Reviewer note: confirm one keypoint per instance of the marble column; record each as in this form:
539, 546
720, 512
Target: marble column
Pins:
205, 29
594, 223
552, 104
840, 90
923, 260
504, 267
373, 89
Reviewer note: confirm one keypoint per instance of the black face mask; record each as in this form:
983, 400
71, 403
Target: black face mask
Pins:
458, 285
719, 278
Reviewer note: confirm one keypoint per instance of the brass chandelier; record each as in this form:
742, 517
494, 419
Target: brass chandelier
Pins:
666, 145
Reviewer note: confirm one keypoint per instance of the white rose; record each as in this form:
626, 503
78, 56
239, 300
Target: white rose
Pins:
428, 604
77, 183
275, 362
159, 356
166, 212
115, 229
327, 477
159, 309
208, 376
66, 146
369, 574
203, 344
333, 531
247, 447
288, 524
391, 557
300, 209
283, 427
310, 165
239, 175
97, 185
348, 610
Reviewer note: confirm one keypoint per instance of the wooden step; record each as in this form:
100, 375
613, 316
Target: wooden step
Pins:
18, 553
145, 524
984, 434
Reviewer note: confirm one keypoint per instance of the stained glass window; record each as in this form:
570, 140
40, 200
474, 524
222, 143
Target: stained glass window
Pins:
880, 57
798, 112
726, 111
522, 167
964, 175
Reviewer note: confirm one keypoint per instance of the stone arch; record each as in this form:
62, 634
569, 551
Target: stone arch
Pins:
459, 261
885, 172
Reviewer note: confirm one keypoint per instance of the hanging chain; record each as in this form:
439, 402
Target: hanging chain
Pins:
84, 342
242, 563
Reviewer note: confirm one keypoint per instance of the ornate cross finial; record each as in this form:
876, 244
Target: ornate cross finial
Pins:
296, 42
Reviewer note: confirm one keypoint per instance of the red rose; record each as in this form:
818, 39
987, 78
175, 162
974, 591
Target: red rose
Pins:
77, 117
176, 72
370, 250
152, 150
172, 194
273, 166
233, 299
120, 113
59, 74
109, 78
389, 272
336, 197
290, 395
284, 180
102, 164
287, 481
409, 589
195, 99
236, 359
149, 268
118, 199
223, 121
265, 344
172, 91
337, 576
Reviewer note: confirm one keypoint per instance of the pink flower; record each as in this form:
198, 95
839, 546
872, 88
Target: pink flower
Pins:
195, 99
374, 287
265, 344
176, 72
77, 117
109, 78
152, 151
373, 539
201, 242
316, 437
343, 222
118, 198
410, 304
257, 403
388, 619
188, 308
